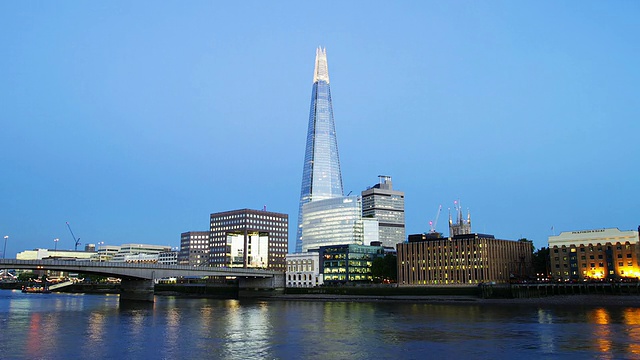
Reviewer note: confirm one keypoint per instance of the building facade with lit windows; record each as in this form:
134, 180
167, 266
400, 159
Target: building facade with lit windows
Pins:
340, 264
466, 259
335, 221
303, 270
386, 205
249, 239
595, 255
194, 248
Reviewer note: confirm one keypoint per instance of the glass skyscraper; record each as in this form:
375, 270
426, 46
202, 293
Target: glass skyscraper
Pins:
321, 177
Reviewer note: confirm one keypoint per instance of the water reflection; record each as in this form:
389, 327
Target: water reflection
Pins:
631, 318
248, 330
99, 327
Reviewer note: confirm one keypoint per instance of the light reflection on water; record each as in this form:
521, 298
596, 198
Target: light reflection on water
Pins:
64, 326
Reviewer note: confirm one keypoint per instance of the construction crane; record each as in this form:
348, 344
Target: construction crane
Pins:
74, 237
433, 224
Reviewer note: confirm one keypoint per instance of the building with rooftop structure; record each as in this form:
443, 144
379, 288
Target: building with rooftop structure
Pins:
385, 204
595, 254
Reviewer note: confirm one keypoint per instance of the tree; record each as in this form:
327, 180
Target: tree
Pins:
385, 268
27, 276
541, 260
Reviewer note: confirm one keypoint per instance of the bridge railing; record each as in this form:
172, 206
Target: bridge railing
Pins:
125, 265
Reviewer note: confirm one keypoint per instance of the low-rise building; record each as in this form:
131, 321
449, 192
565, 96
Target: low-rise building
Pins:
341, 264
595, 255
303, 270
127, 252
466, 259
40, 254
168, 258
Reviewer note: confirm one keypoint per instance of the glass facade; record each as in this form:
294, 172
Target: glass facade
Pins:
332, 222
348, 263
321, 176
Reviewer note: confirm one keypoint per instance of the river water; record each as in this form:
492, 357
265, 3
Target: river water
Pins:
73, 326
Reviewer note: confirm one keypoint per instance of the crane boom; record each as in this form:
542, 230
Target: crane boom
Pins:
74, 237
434, 223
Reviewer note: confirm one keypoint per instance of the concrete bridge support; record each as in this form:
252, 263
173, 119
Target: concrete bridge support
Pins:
136, 290
260, 287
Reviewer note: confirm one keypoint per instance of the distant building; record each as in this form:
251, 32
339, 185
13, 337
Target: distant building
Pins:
386, 205
349, 263
194, 248
248, 238
467, 259
168, 258
595, 254
136, 252
40, 254
461, 226
303, 270
106, 252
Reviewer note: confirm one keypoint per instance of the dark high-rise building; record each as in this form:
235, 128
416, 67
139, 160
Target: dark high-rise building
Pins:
387, 205
321, 177
249, 238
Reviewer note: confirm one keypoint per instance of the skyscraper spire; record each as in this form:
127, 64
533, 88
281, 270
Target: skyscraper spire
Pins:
321, 176
321, 71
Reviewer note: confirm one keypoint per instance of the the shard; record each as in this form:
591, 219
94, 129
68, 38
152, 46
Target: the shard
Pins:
321, 177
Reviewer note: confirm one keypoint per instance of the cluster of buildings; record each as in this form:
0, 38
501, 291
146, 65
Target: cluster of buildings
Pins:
339, 237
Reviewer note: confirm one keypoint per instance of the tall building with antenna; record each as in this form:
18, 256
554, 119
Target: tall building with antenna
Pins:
321, 176
385, 204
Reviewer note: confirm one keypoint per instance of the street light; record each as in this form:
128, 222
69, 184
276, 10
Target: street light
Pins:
55, 241
4, 250
100, 255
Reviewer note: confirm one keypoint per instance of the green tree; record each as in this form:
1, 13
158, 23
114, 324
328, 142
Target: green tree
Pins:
385, 268
26, 276
541, 261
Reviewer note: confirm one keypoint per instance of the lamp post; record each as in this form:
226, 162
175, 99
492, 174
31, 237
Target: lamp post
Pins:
4, 250
55, 241
100, 255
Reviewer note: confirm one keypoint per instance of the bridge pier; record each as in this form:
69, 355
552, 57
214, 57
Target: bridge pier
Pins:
260, 287
136, 290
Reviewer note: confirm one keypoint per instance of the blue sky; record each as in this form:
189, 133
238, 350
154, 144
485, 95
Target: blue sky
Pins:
135, 121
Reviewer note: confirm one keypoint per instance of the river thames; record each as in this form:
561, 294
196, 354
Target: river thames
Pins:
76, 326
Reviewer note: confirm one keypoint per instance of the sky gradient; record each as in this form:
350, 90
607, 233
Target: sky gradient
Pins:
135, 121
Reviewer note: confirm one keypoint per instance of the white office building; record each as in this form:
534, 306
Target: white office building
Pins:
303, 270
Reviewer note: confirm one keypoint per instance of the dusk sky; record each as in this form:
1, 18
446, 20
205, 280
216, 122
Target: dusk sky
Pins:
133, 121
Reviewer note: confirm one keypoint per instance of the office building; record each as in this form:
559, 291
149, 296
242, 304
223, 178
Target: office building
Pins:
321, 177
386, 205
139, 252
468, 259
194, 248
335, 221
248, 238
341, 264
597, 254
303, 270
